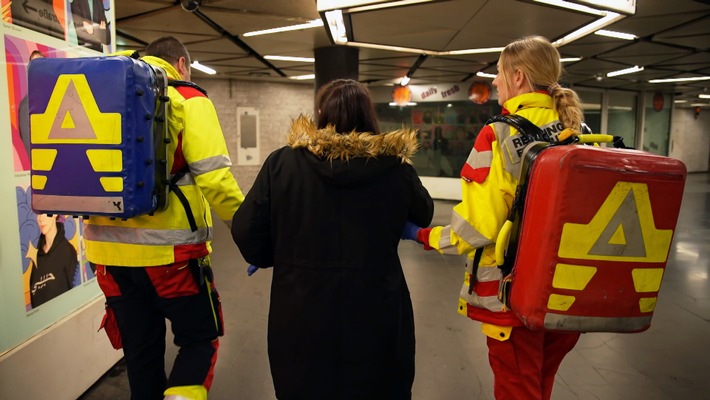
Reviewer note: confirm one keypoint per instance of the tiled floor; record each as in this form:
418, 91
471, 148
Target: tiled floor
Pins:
671, 360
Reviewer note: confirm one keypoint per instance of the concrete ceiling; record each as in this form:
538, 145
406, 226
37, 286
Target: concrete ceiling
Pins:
673, 39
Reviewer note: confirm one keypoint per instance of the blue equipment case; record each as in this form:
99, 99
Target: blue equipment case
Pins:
98, 136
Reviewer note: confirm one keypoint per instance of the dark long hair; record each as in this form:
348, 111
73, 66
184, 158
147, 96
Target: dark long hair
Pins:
346, 105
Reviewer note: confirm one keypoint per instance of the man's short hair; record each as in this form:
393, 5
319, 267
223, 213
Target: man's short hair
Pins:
169, 49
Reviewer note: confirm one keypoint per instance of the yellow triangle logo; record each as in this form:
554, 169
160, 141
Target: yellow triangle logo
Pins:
72, 116
68, 122
622, 229
618, 237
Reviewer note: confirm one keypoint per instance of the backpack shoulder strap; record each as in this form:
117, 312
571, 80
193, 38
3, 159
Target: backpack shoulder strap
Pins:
523, 125
176, 83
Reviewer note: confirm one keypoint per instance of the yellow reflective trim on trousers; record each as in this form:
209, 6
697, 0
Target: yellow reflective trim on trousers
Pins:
194, 392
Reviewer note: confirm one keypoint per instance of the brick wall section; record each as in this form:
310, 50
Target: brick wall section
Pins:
277, 104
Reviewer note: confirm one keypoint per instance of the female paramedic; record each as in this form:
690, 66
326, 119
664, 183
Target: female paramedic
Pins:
524, 362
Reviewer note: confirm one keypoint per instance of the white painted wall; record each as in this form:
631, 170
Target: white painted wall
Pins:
690, 138
62, 361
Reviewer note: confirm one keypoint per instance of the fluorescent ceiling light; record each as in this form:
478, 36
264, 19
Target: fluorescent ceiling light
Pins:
196, 65
614, 34
608, 19
700, 105
386, 4
572, 6
625, 71
471, 51
704, 96
303, 77
311, 24
627, 7
393, 104
336, 24
570, 59
392, 48
680, 101
485, 75
338, 32
669, 80
287, 58
405, 80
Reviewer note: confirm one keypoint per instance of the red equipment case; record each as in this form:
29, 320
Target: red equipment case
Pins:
593, 240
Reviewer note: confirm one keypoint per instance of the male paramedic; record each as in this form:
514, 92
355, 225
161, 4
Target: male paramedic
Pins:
154, 267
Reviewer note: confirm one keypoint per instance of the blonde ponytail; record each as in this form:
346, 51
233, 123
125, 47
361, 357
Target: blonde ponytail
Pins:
566, 103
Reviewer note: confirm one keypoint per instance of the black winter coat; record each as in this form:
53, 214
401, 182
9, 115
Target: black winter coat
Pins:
327, 212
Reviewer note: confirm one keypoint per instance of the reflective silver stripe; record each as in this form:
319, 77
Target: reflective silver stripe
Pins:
186, 180
553, 129
479, 159
466, 232
148, 237
595, 324
489, 274
490, 303
210, 164
510, 146
78, 204
445, 245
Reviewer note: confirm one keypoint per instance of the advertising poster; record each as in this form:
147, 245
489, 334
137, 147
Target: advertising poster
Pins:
84, 23
44, 276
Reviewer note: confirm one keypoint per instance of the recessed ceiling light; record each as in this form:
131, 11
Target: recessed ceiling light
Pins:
196, 65
617, 35
691, 79
303, 77
485, 75
288, 58
311, 24
625, 71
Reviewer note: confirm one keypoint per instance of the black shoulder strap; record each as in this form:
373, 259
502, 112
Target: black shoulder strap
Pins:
526, 128
523, 125
172, 183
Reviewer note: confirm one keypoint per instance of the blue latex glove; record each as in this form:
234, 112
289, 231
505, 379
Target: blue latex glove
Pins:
410, 231
251, 269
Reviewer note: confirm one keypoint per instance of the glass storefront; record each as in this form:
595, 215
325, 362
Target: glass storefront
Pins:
592, 108
622, 116
657, 123
446, 131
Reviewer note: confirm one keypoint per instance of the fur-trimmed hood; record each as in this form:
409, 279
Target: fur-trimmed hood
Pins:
330, 145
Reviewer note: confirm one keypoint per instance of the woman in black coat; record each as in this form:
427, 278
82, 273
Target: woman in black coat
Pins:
327, 212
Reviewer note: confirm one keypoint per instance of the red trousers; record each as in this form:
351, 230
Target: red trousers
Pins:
525, 365
141, 298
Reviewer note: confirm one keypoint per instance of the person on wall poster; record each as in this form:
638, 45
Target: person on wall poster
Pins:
18, 54
24, 113
56, 263
90, 22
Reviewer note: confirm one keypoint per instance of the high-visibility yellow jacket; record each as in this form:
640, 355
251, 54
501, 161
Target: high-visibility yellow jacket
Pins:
488, 183
166, 237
